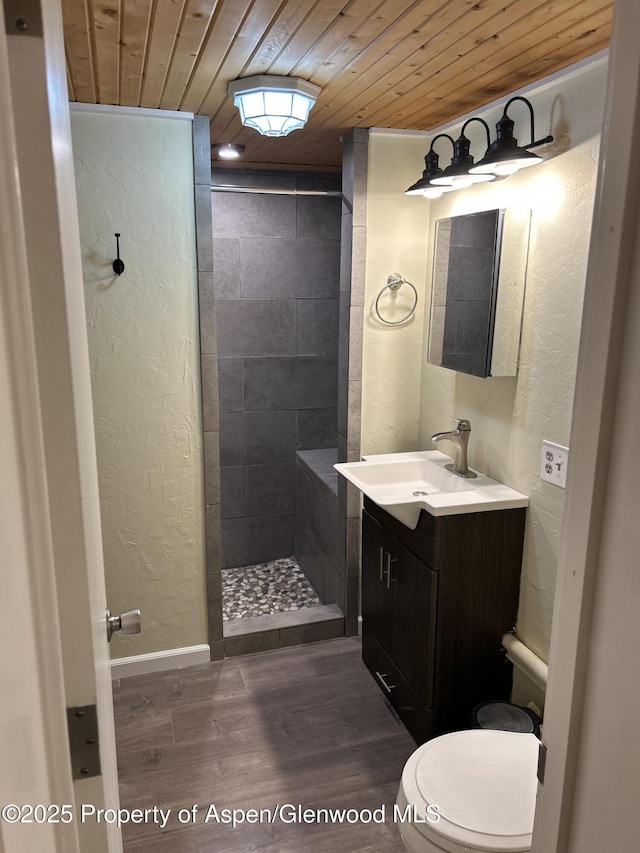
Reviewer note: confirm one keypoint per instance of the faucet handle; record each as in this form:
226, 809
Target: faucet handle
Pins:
462, 425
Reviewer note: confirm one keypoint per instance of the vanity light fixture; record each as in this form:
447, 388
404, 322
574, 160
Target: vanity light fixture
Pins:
423, 186
502, 158
505, 156
227, 150
458, 174
273, 105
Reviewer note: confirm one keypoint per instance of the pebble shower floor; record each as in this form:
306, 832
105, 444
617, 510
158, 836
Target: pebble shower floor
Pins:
272, 587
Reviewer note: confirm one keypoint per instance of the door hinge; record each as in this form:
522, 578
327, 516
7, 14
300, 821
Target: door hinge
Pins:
23, 18
542, 762
82, 723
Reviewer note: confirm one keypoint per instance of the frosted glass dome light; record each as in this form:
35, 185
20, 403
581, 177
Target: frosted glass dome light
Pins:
273, 105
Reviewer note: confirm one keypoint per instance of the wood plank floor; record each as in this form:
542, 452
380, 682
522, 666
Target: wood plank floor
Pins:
303, 726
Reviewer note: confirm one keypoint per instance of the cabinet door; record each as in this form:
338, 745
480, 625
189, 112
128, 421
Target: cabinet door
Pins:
377, 600
414, 587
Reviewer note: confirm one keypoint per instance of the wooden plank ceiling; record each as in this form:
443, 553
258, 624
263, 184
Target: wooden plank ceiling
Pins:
382, 63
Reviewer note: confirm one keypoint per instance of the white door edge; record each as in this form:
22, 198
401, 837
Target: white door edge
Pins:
610, 256
68, 614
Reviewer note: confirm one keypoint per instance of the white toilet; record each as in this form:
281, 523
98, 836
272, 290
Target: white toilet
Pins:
483, 783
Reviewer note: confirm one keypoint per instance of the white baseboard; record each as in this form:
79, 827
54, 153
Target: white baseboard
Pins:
159, 661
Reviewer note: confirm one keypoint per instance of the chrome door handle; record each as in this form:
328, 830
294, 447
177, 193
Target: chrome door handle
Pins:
390, 560
129, 622
381, 563
381, 678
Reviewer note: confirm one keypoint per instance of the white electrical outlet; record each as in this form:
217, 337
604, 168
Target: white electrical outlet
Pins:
553, 463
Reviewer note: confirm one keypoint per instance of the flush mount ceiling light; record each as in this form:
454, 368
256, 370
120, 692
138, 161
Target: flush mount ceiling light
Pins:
227, 150
423, 186
458, 174
273, 105
505, 156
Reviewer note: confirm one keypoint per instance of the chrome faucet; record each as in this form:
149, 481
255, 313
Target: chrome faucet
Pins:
459, 437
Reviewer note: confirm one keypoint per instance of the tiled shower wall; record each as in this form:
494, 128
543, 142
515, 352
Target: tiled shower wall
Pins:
276, 261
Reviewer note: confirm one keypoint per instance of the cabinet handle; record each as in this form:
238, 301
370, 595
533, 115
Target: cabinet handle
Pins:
381, 679
381, 563
390, 560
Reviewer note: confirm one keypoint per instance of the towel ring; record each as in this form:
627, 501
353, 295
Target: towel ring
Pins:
394, 283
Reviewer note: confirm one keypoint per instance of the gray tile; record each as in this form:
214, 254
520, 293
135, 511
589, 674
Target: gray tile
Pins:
480, 229
344, 319
204, 247
273, 621
253, 215
260, 327
226, 267
248, 644
207, 311
268, 488
342, 457
329, 182
216, 649
230, 384
209, 365
212, 523
318, 268
214, 607
354, 415
347, 168
211, 468
358, 264
317, 428
312, 633
311, 560
252, 437
319, 464
318, 217
286, 268
356, 328
352, 587
290, 383
325, 515
343, 399
330, 583
340, 592
201, 150
303, 497
470, 274
317, 327
360, 173
256, 539
232, 491
246, 178
346, 240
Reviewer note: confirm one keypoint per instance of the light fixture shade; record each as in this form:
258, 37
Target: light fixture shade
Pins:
504, 156
274, 106
423, 186
457, 175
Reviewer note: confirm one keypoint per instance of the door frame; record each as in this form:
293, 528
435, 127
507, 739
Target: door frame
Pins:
55, 629
609, 278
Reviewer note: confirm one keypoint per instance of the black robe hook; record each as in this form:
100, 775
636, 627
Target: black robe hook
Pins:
118, 265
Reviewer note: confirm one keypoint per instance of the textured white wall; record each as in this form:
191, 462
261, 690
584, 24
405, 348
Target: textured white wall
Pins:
510, 417
397, 228
134, 175
405, 399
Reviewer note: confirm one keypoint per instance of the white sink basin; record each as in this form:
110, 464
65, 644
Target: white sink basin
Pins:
405, 483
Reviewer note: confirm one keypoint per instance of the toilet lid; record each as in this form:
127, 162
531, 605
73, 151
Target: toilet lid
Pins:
484, 785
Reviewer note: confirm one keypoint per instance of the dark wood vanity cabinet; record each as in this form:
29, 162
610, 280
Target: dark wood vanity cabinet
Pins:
436, 602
